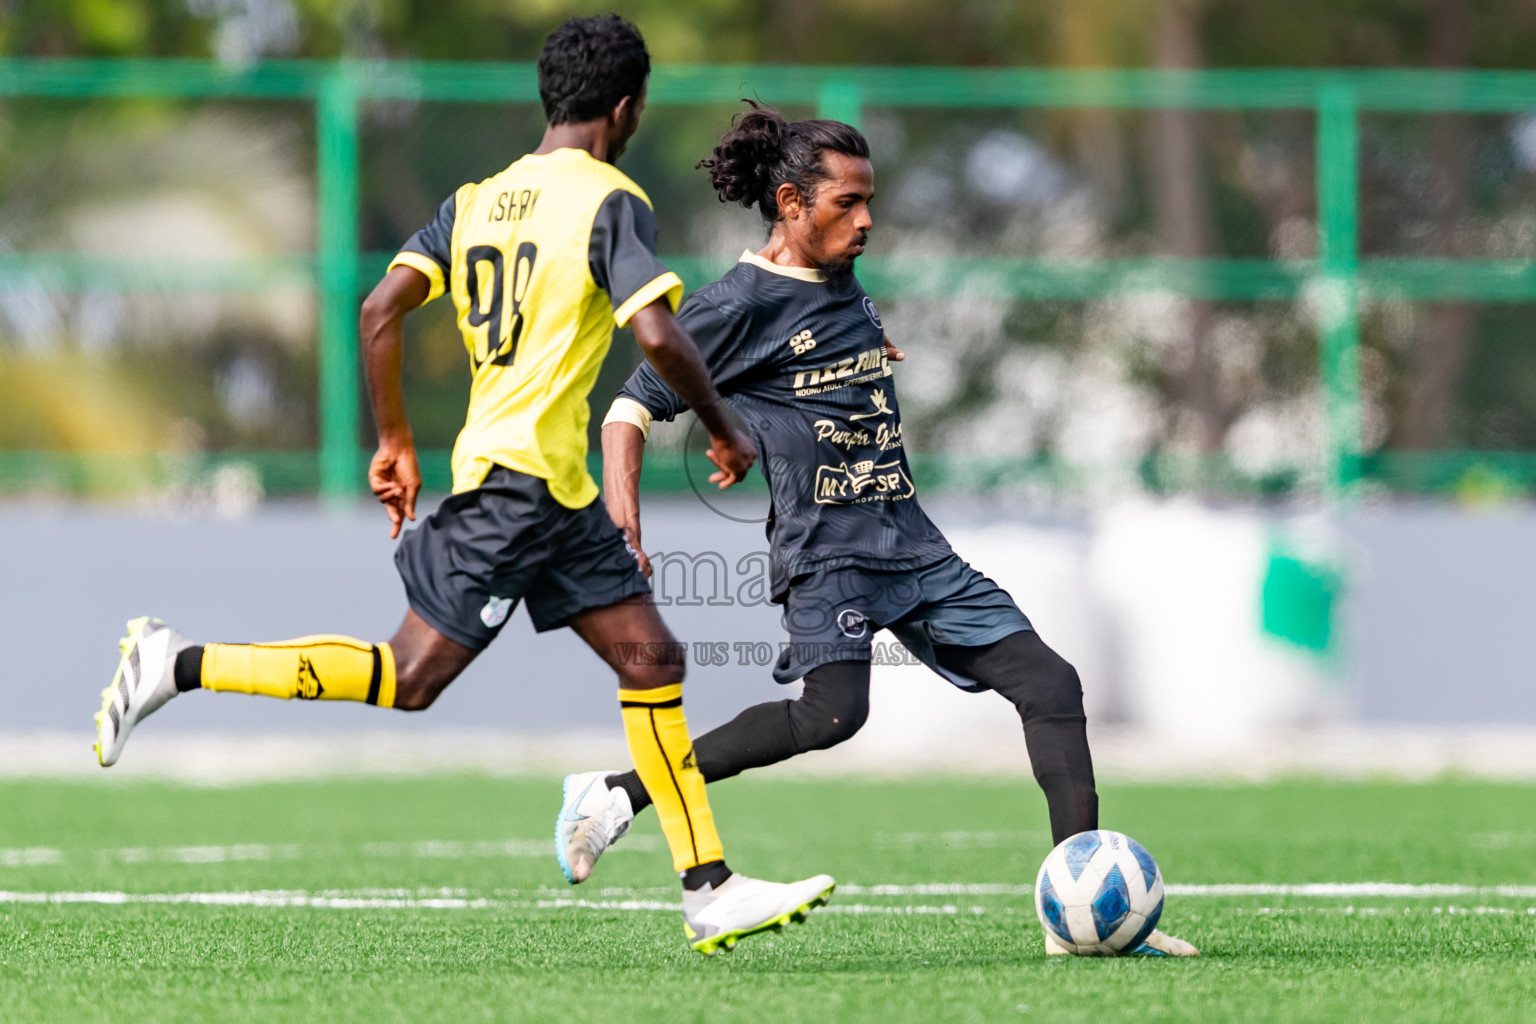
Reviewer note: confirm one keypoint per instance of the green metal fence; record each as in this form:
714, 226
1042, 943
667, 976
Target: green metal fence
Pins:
1337, 280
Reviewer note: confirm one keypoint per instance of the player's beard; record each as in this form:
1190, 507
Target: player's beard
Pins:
838, 271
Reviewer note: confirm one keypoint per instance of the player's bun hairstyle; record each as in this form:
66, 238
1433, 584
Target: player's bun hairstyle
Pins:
588, 65
763, 151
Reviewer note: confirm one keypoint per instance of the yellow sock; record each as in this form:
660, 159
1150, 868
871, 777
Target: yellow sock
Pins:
657, 732
309, 668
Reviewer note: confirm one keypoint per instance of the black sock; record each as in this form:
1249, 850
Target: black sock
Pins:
712, 874
189, 668
1058, 752
630, 783
758, 736
833, 707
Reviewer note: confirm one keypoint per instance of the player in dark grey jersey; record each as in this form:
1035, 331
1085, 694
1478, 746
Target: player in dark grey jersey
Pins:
798, 348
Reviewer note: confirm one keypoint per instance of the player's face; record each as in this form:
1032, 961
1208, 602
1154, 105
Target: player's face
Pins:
626, 123
837, 224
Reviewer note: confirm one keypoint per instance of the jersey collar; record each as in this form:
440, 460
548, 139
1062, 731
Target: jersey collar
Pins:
798, 273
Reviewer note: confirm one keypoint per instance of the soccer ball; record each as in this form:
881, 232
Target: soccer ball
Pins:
1099, 893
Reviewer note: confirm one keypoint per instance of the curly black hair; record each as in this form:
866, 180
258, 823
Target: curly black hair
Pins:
588, 65
762, 151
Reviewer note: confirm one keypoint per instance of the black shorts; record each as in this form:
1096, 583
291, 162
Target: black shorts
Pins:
834, 615
466, 567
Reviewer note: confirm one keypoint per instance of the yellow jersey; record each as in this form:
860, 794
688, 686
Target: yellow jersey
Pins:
542, 260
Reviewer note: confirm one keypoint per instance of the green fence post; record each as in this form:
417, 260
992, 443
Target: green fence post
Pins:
840, 99
336, 143
1338, 200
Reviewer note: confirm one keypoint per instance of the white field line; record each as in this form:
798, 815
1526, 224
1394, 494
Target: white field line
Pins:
1376, 911
453, 849
643, 899
280, 899
443, 849
363, 901
30, 857
1344, 890
1355, 889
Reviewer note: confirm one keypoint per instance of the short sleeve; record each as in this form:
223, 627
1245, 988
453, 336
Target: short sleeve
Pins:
720, 342
430, 250
622, 257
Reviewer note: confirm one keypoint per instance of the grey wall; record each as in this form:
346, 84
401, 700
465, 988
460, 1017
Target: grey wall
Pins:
70, 577
1440, 615
1442, 622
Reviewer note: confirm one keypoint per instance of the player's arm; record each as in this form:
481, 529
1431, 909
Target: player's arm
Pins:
393, 475
643, 399
622, 258
416, 275
671, 351
623, 454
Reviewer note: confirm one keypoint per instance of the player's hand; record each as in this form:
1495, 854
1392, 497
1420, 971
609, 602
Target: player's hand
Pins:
732, 455
893, 353
395, 480
631, 533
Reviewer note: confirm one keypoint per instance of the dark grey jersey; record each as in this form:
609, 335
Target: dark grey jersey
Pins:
803, 361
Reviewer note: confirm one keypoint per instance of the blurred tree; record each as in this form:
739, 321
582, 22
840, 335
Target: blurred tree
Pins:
1077, 184
1185, 223
1441, 350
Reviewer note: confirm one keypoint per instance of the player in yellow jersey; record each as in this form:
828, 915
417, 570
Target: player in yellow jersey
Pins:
542, 261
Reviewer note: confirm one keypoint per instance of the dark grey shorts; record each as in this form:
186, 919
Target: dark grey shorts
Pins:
466, 567
834, 615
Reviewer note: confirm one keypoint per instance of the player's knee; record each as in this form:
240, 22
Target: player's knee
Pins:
416, 687
1047, 686
1061, 689
650, 677
819, 724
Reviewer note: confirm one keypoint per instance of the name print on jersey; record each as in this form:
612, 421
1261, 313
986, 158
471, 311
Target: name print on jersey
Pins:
514, 205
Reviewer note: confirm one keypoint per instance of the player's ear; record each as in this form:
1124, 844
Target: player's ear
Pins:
622, 111
626, 112
789, 200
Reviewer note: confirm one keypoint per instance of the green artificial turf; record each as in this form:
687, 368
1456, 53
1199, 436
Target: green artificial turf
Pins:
508, 945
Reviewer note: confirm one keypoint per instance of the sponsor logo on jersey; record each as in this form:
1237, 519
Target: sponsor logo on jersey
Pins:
802, 343
853, 624
496, 611
867, 365
887, 435
869, 310
877, 399
865, 480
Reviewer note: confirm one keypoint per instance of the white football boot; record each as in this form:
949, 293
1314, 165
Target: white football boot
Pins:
716, 918
146, 679
1156, 944
1163, 944
592, 818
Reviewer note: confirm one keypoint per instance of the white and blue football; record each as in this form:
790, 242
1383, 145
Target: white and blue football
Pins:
1099, 893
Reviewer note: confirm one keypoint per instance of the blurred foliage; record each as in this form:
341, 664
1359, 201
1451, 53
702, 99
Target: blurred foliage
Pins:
1111, 379
1067, 33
